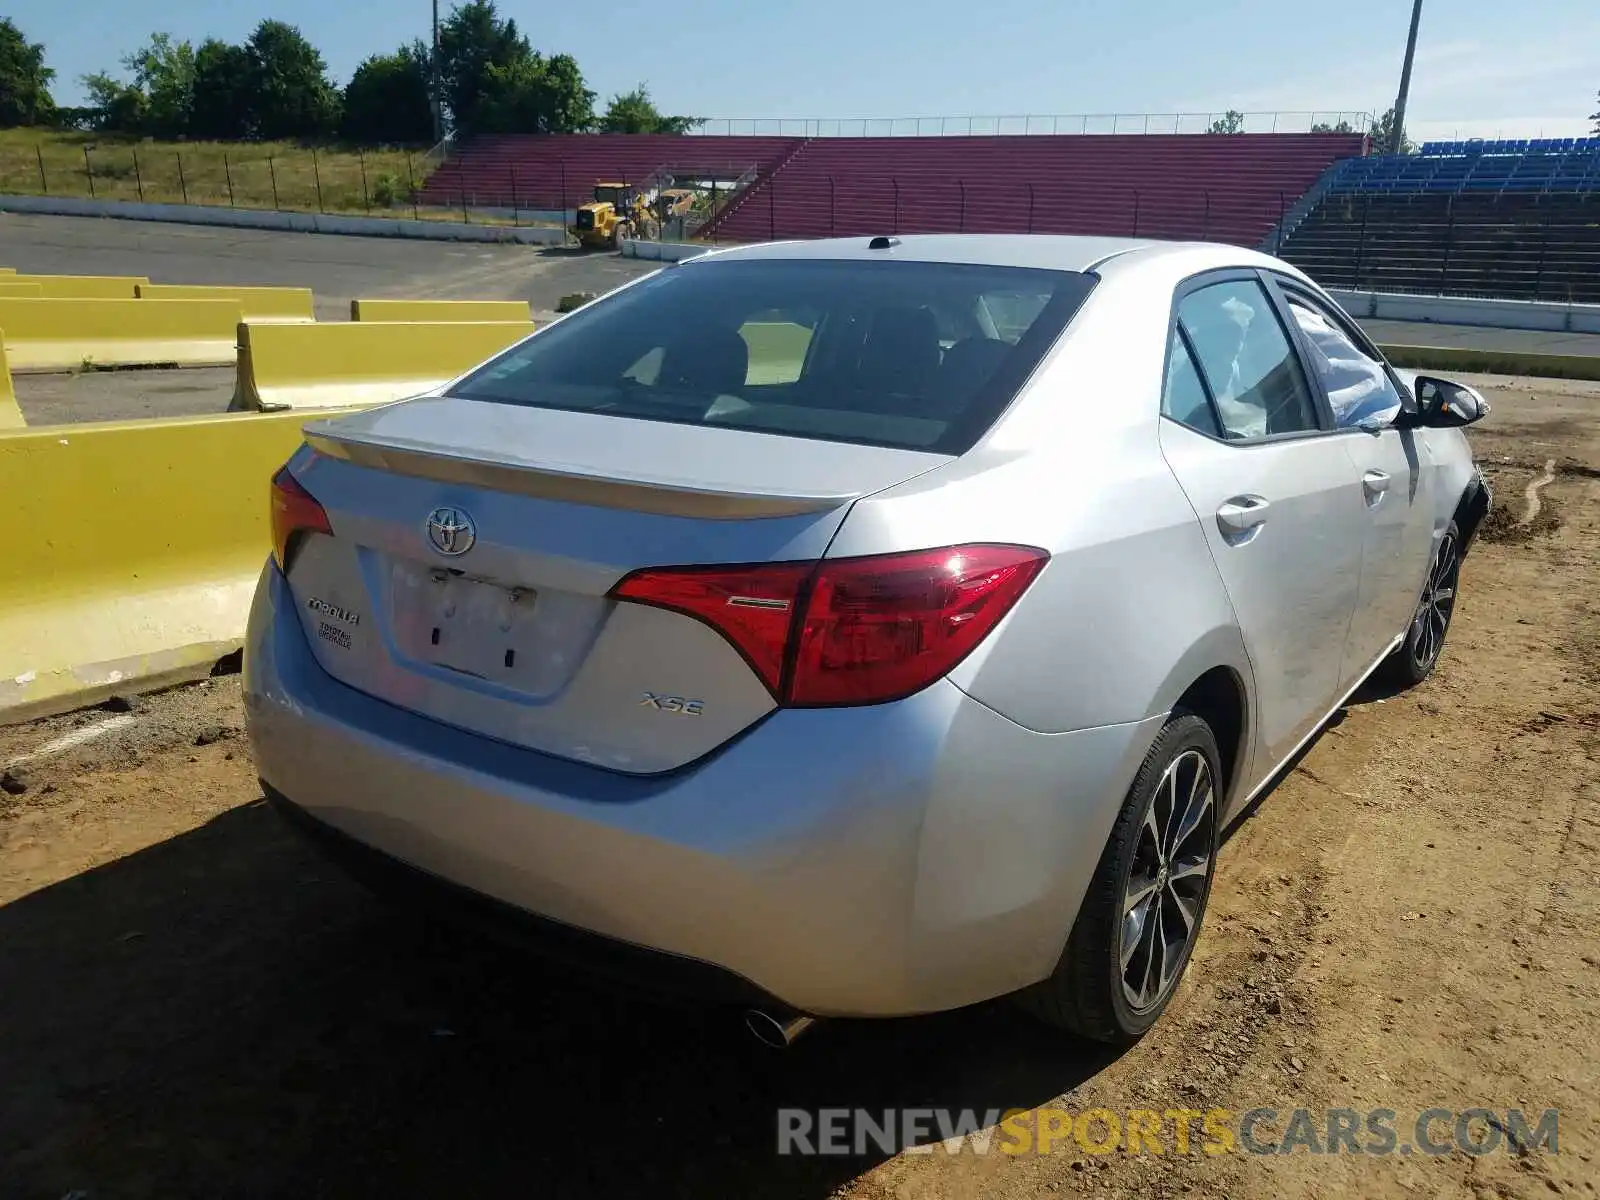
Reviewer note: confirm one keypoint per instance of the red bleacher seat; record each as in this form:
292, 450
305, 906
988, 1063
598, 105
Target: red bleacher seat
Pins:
1180, 186
1223, 188
560, 170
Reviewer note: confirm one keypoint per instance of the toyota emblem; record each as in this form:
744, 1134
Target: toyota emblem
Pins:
451, 530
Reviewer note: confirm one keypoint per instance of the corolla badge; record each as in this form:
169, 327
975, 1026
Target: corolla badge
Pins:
451, 530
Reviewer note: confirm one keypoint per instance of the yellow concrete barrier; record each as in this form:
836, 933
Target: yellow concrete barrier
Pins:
10, 414
145, 540
255, 303
373, 362
9, 288
46, 335
86, 287
440, 310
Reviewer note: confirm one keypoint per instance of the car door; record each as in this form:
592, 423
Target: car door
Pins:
1393, 466
1252, 448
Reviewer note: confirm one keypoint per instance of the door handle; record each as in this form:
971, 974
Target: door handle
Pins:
1242, 514
1373, 486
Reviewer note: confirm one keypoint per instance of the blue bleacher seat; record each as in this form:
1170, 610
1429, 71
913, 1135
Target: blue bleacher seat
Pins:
1479, 165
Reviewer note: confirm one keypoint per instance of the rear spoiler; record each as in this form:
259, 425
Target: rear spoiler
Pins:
658, 493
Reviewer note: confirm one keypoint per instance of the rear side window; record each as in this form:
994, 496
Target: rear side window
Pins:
1248, 360
1014, 309
1357, 384
910, 354
1183, 397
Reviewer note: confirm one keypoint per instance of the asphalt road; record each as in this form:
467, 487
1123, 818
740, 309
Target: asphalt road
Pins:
337, 269
1429, 333
67, 397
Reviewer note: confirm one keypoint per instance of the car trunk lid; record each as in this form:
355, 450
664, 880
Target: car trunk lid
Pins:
475, 545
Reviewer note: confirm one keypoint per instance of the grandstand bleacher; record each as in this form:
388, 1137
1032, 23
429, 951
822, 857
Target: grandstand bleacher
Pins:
1166, 186
559, 171
1572, 164
1511, 219
1225, 188
1514, 218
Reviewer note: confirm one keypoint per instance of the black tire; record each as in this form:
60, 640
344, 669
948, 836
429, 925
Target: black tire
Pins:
1417, 656
1089, 993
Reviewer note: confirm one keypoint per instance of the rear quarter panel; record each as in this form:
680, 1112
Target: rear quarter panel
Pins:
1130, 609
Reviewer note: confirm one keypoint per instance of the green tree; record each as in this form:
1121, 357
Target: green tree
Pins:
118, 107
386, 99
1231, 121
222, 107
635, 112
1340, 127
473, 41
1384, 137
493, 81
535, 94
164, 71
568, 104
24, 79
290, 95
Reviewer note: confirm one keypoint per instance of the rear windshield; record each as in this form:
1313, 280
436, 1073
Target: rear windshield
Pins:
916, 355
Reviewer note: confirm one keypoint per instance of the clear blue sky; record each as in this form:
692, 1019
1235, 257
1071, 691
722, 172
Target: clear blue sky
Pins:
1484, 67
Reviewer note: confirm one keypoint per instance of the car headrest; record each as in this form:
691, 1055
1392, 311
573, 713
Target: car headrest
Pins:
901, 352
710, 360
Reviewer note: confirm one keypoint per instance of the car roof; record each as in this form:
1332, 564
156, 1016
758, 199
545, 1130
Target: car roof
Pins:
1048, 251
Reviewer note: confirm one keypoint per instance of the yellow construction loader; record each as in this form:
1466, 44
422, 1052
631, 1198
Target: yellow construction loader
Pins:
618, 210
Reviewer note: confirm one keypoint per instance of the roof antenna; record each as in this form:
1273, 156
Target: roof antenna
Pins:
883, 243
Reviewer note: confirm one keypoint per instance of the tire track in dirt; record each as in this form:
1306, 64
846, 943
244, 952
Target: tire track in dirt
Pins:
1531, 492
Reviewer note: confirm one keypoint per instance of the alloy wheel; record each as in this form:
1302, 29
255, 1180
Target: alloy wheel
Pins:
1167, 880
1437, 603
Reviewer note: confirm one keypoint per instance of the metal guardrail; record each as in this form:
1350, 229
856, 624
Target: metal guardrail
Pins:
1028, 124
437, 155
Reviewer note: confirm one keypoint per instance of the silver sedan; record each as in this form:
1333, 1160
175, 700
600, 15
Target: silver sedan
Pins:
860, 627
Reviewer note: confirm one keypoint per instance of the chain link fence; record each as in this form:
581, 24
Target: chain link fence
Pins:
282, 177
1038, 124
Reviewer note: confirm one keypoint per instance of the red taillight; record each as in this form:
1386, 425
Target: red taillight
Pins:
880, 628
873, 629
294, 510
753, 607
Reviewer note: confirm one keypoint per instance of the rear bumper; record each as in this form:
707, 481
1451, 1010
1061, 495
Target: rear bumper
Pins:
901, 858
652, 971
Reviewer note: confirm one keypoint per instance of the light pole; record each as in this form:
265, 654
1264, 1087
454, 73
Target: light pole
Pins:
1397, 135
433, 76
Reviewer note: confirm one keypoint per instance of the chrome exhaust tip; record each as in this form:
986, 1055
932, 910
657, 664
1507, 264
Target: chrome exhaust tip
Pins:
776, 1032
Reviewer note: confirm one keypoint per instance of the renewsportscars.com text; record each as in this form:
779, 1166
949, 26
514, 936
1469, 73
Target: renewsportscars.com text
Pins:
1213, 1131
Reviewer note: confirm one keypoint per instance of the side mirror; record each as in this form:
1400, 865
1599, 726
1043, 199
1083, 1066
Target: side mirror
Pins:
1446, 404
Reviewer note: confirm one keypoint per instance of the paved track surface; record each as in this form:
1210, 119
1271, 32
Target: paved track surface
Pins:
336, 268
65, 398
1427, 333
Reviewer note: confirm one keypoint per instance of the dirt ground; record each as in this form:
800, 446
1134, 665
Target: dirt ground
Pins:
194, 1005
